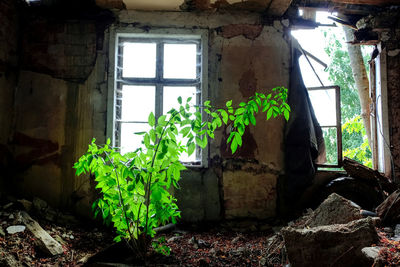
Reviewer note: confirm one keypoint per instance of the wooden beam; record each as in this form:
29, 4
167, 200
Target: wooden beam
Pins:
368, 2
278, 7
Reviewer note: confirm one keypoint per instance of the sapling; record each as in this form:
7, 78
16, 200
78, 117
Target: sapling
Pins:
135, 187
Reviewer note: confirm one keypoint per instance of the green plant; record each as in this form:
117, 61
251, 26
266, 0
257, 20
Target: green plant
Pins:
135, 187
362, 153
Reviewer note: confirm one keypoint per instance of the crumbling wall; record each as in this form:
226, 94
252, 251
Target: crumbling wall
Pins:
9, 35
393, 87
245, 56
61, 104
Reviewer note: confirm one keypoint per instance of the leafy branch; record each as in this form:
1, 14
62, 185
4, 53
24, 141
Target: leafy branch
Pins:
134, 187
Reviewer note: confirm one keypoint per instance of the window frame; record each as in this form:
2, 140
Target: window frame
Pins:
158, 35
338, 126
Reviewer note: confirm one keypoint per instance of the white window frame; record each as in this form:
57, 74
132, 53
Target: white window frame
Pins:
156, 34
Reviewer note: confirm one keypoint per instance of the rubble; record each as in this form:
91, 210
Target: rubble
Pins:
330, 245
13, 229
389, 210
334, 210
8, 260
45, 242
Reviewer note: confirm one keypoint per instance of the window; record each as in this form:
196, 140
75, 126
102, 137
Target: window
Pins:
326, 104
151, 72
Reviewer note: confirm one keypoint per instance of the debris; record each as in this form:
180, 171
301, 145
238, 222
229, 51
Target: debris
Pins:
8, 205
389, 209
334, 210
236, 239
357, 170
337, 245
8, 260
174, 238
15, 229
45, 242
11, 217
39, 204
2, 232
26, 204
371, 252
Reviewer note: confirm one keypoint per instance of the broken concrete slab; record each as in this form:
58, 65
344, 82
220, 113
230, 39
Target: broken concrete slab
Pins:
330, 245
44, 241
334, 210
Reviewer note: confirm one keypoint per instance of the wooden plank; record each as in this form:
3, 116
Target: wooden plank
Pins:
357, 170
45, 242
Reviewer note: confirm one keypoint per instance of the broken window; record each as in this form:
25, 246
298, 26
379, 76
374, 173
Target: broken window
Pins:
151, 72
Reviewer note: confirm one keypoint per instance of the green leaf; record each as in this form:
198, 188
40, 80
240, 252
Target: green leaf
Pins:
224, 115
185, 131
252, 119
191, 148
229, 103
152, 119
180, 100
240, 111
269, 113
286, 114
207, 103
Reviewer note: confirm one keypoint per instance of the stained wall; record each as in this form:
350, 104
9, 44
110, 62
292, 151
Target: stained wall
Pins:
61, 104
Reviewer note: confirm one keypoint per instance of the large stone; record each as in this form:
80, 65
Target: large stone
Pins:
330, 245
44, 241
334, 210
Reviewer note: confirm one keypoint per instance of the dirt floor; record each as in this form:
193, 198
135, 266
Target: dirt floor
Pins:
221, 245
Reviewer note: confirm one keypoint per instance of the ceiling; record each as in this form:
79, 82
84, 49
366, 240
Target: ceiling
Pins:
174, 4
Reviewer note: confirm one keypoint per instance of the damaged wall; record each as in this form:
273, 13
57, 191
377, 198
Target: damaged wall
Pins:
9, 36
61, 104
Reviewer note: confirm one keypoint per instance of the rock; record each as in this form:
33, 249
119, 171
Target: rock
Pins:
236, 239
39, 204
174, 238
44, 241
26, 204
15, 229
11, 217
371, 252
8, 205
334, 210
203, 244
330, 245
397, 229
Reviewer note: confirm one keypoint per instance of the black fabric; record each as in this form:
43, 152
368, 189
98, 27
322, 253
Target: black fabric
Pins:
303, 138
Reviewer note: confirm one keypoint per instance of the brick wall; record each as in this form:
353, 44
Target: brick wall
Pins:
65, 50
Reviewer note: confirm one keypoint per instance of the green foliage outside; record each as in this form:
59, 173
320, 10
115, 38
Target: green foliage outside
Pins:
355, 143
136, 187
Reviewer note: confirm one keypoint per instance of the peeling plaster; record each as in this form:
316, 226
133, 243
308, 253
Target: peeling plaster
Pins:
248, 31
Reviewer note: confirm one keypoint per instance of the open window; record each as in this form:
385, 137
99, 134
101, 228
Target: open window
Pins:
150, 72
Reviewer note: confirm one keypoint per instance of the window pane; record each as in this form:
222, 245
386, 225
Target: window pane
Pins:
171, 94
129, 140
139, 60
330, 137
324, 104
170, 97
137, 102
180, 61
